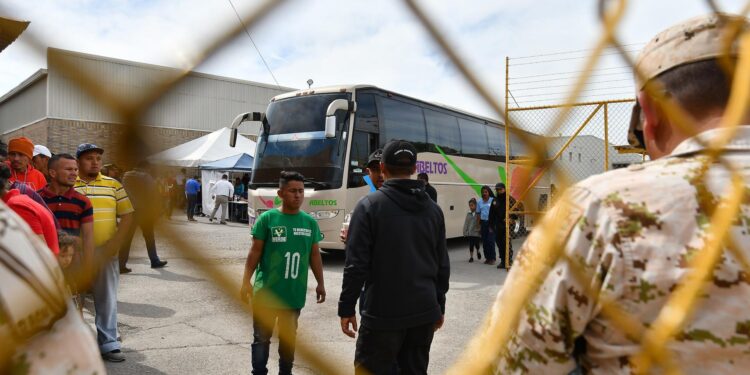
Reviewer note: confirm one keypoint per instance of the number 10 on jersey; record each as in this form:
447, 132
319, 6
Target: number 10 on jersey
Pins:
292, 265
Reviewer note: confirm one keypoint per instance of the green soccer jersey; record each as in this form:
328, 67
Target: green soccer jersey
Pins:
281, 276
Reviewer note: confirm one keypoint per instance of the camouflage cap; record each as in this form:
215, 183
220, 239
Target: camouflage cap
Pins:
697, 39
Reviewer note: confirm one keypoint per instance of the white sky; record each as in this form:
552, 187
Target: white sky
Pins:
337, 42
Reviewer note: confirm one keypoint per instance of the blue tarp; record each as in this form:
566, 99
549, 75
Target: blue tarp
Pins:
239, 162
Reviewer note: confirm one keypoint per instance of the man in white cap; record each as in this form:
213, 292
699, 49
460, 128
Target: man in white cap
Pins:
40, 158
633, 233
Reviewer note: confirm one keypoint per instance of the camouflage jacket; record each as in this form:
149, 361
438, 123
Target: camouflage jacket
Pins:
41, 331
633, 231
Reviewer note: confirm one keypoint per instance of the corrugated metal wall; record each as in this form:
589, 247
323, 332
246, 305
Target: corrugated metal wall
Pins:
26, 107
199, 102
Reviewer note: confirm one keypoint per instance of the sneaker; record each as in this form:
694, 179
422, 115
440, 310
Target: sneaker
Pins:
159, 264
210, 220
471, 260
191, 219
124, 270
223, 223
479, 255
114, 356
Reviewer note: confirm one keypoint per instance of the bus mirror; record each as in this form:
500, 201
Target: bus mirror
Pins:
330, 126
233, 138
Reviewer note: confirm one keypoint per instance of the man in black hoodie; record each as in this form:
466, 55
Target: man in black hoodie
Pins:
397, 250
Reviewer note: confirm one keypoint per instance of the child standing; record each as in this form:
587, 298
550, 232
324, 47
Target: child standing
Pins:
69, 250
471, 230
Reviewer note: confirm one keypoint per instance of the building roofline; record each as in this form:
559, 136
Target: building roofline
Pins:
164, 68
32, 79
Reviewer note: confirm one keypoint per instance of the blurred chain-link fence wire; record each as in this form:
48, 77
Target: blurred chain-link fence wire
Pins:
557, 152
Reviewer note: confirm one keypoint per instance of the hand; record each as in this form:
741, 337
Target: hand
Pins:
345, 322
246, 292
320, 293
439, 323
342, 235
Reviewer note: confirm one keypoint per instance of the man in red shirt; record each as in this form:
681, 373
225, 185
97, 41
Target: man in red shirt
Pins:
38, 217
72, 209
20, 151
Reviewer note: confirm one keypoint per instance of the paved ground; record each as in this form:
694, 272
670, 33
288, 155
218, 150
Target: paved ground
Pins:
175, 321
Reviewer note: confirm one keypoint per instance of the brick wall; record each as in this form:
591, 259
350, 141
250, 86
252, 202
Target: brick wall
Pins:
65, 135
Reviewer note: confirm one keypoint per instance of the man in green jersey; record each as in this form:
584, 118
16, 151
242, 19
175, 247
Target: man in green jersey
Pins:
285, 242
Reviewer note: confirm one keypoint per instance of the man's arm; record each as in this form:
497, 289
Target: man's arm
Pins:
444, 269
113, 245
251, 263
561, 309
357, 268
87, 239
316, 264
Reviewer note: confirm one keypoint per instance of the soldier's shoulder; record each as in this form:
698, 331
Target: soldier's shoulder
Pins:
647, 177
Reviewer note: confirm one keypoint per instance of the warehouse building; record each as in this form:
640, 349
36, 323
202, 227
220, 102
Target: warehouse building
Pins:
51, 108
584, 156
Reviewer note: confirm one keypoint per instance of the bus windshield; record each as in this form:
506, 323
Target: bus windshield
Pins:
294, 140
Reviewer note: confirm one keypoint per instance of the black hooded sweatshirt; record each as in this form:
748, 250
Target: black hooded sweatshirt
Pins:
397, 250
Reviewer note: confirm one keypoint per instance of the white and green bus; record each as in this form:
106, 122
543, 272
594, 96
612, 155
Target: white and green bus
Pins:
327, 134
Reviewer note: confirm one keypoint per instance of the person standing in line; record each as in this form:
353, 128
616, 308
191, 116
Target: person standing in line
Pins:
40, 159
285, 243
192, 186
636, 234
239, 188
376, 176
37, 216
222, 192
429, 189
488, 236
110, 202
20, 152
143, 194
471, 230
497, 223
73, 211
405, 277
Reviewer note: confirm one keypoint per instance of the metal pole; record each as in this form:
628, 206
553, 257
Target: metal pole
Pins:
606, 137
507, 169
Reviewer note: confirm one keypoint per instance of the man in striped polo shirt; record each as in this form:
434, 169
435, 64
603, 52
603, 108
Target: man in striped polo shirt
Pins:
72, 209
110, 202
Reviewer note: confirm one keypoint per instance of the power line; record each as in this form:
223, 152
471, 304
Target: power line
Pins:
568, 58
630, 77
577, 71
571, 85
627, 95
587, 90
569, 52
253, 42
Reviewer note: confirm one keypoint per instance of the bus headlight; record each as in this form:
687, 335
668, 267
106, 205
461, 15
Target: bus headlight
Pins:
324, 214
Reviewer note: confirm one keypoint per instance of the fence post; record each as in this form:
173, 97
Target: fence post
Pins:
507, 171
606, 137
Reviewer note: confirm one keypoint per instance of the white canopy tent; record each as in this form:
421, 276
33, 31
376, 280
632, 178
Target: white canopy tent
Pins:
208, 148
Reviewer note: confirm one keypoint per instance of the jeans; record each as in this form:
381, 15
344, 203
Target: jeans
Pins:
488, 241
260, 348
105, 304
192, 201
147, 228
223, 202
377, 350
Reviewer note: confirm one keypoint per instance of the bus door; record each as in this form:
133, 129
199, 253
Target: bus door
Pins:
365, 139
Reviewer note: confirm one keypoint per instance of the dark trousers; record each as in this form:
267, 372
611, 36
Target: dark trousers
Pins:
474, 244
286, 320
377, 350
147, 228
500, 234
192, 201
488, 241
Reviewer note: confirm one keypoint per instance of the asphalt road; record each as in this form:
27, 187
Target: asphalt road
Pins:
176, 321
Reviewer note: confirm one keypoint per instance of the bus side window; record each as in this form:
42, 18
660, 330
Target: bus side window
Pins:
473, 139
442, 131
403, 121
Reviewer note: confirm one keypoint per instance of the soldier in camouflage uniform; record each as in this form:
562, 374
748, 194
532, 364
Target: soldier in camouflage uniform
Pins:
633, 231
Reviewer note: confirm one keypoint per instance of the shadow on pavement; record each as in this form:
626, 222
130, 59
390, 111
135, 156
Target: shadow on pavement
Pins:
166, 275
143, 310
131, 365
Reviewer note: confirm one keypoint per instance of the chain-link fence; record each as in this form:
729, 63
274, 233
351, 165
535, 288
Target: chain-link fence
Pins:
579, 139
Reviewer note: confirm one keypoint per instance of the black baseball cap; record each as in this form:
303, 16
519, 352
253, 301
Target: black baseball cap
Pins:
499, 185
375, 157
400, 154
86, 147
